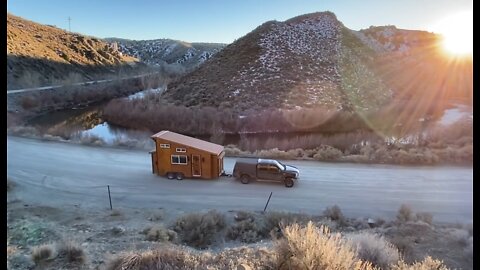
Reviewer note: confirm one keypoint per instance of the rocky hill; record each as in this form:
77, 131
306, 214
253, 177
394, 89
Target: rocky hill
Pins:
314, 61
39, 55
308, 61
167, 51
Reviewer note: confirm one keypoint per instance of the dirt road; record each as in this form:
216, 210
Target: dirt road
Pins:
56, 174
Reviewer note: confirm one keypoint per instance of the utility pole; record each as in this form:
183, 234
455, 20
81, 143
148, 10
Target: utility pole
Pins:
69, 19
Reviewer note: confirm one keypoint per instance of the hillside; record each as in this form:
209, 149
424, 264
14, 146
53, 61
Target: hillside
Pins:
307, 61
415, 66
160, 51
314, 61
39, 55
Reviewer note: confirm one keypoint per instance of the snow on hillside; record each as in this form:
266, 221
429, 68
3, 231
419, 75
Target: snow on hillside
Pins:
311, 43
160, 51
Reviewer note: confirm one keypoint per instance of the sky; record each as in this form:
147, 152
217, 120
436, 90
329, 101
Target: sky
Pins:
223, 21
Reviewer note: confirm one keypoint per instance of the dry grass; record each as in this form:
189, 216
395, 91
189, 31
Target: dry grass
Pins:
427, 264
160, 234
43, 254
200, 230
174, 257
375, 249
302, 247
71, 252
315, 248
165, 258
248, 230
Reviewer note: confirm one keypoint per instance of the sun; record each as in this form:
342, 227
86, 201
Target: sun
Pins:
457, 33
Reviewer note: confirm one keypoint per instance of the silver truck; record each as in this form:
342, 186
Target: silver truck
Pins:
265, 170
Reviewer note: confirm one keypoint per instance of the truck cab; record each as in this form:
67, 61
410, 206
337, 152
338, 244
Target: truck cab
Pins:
265, 170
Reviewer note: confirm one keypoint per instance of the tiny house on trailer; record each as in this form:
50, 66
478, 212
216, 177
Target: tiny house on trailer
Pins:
178, 156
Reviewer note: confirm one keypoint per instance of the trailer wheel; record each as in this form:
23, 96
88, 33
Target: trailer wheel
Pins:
179, 176
244, 179
289, 182
170, 175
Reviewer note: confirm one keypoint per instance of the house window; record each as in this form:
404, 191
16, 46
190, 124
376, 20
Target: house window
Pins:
164, 145
181, 150
179, 159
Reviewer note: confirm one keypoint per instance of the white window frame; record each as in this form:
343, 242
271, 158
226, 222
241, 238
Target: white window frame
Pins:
178, 156
181, 150
164, 145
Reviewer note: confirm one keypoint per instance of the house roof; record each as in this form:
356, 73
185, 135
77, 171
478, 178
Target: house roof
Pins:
190, 141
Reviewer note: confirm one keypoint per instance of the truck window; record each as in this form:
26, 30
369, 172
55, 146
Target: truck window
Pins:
262, 167
273, 168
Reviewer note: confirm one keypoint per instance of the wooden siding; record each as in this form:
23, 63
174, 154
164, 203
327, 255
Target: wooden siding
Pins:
209, 162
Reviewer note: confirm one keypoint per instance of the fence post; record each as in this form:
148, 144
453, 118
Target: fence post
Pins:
267, 202
109, 197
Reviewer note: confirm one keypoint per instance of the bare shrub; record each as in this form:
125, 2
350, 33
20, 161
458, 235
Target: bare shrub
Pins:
156, 216
335, 214
233, 151
404, 245
28, 102
274, 153
427, 264
72, 78
13, 119
460, 236
425, 217
315, 248
200, 230
404, 214
217, 136
275, 220
161, 234
71, 252
375, 249
247, 231
165, 258
356, 158
29, 79
244, 215
42, 254
10, 184
327, 152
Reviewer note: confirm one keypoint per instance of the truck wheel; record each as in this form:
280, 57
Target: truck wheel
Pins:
179, 176
289, 182
170, 175
244, 179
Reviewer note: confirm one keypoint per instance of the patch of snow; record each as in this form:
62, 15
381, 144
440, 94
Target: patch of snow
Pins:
450, 116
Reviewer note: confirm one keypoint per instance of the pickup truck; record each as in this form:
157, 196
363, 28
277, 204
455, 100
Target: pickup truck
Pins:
265, 170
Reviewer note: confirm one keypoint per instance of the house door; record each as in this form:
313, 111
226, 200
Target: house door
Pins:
196, 166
